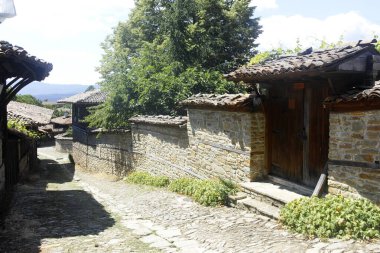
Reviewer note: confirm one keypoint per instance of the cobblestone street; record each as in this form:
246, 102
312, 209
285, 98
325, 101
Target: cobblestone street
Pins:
94, 213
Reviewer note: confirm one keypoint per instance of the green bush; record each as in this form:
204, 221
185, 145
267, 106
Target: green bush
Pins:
333, 216
210, 192
184, 185
140, 177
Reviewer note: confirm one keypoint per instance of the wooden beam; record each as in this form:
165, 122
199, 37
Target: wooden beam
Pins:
13, 91
318, 190
375, 166
306, 143
352, 106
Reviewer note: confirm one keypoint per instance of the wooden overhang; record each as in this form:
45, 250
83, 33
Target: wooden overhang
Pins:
359, 58
18, 69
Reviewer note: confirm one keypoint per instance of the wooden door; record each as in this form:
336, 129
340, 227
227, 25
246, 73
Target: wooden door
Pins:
11, 163
287, 132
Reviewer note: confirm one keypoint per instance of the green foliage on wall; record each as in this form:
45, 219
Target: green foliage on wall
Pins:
20, 127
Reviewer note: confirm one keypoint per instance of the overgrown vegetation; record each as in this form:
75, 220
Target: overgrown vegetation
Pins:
332, 216
20, 127
210, 192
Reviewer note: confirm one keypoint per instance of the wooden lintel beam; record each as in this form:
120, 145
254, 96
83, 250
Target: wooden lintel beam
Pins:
367, 165
12, 82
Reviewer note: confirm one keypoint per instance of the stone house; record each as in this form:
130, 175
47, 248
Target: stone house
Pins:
354, 143
305, 138
32, 116
17, 69
23, 149
80, 105
310, 118
83, 138
61, 124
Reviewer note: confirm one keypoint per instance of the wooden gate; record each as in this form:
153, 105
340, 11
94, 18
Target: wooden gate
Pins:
287, 133
297, 131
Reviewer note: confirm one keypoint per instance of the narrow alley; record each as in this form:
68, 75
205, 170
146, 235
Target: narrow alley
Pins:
62, 210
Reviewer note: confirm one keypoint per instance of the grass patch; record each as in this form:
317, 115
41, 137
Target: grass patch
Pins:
333, 216
210, 192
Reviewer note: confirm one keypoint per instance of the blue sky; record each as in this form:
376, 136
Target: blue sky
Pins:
68, 33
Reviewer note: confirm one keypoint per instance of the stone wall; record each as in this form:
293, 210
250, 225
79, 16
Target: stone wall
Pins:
227, 144
355, 136
63, 144
108, 152
214, 143
162, 150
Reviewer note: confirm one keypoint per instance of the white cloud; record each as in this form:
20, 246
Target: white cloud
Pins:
67, 33
264, 4
284, 30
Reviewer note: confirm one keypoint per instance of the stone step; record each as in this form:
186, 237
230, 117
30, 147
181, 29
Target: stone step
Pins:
259, 207
300, 189
270, 193
233, 199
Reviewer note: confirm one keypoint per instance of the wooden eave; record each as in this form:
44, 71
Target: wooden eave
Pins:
310, 74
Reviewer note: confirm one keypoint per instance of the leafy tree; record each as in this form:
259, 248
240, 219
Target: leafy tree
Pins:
28, 99
169, 50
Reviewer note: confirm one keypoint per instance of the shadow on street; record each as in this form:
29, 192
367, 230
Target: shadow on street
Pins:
51, 206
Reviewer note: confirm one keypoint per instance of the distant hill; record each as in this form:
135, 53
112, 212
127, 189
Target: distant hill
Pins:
53, 92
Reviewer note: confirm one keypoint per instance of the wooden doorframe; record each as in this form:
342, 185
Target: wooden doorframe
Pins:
306, 143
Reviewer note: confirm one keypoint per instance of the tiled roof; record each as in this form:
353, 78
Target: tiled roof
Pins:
357, 95
159, 120
226, 101
89, 97
64, 120
29, 114
31, 67
309, 61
